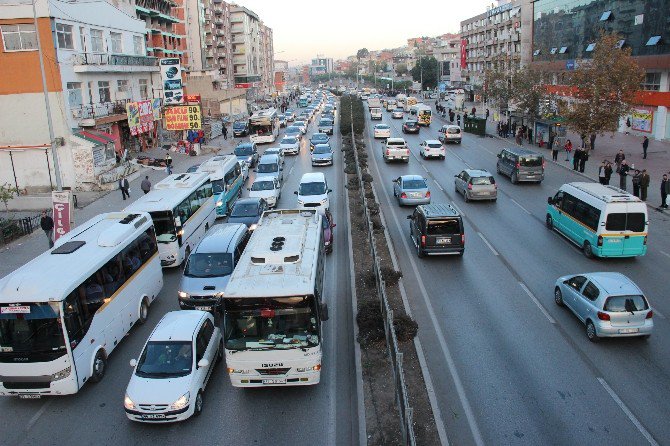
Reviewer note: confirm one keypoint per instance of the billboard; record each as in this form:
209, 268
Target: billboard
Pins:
140, 116
173, 90
183, 117
642, 119
464, 54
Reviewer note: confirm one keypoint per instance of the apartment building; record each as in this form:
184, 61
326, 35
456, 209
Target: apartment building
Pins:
165, 23
245, 31
266, 59
210, 46
95, 62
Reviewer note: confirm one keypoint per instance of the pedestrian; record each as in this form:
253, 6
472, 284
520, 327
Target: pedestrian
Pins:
608, 173
601, 172
474, 110
628, 125
125, 187
583, 158
645, 145
583, 138
665, 191
568, 148
458, 119
593, 141
623, 173
645, 179
618, 159
514, 128
168, 164
530, 136
636, 183
487, 114
47, 225
146, 185
519, 136
553, 148
224, 130
576, 158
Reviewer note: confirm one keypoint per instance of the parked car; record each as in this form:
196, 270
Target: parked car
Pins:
437, 229
432, 148
476, 184
382, 131
173, 370
248, 211
328, 224
411, 190
241, 128
608, 303
411, 126
247, 152
521, 165
450, 133
398, 113
318, 138
322, 155
290, 144
266, 188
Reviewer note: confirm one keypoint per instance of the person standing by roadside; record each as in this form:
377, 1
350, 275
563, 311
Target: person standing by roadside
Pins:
665, 191
645, 179
584, 157
224, 130
530, 136
645, 146
576, 159
593, 141
601, 172
568, 148
125, 187
168, 164
47, 225
554, 149
618, 159
146, 185
636, 183
623, 173
608, 173
487, 114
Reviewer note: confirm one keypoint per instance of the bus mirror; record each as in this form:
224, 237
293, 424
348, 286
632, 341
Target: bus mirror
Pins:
203, 363
295, 192
324, 312
133, 362
550, 200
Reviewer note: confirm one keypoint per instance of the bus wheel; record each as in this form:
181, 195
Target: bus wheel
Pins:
588, 251
99, 366
206, 227
144, 312
550, 222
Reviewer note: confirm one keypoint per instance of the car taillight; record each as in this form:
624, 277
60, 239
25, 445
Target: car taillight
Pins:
603, 316
463, 239
495, 186
428, 194
423, 240
403, 195
544, 163
407, 151
650, 314
600, 240
388, 152
469, 186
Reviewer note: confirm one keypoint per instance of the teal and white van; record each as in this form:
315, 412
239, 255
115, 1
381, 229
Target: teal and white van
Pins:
604, 221
226, 176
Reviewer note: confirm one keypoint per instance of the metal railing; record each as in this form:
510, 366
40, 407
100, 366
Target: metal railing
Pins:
14, 228
115, 59
100, 109
405, 411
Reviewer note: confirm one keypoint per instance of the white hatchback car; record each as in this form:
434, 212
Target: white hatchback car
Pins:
432, 148
290, 144
176, 363
267, 188
382, 131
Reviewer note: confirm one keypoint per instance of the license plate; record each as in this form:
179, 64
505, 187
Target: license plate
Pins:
204, 308
629, 330
415, 195
615, 240
153, 416
530, 176
274, 381
443, 241
30, 396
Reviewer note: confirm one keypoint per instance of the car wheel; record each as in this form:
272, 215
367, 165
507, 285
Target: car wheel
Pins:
219, 354
514, 178
558, 297
197, 410
144, 312
550, 222
99, 367
591, 332
419, 252
465, 197
588, 250
497, 168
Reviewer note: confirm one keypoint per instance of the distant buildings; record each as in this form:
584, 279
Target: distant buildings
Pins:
321, 65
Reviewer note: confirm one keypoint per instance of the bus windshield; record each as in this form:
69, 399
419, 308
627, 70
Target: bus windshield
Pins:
164, 225
218, 186
165, 359
270, 323
31, 331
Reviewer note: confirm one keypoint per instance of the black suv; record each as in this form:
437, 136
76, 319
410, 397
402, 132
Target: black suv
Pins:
437, 229
410, 126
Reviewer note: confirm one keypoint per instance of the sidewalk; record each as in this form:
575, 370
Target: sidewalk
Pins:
26, 248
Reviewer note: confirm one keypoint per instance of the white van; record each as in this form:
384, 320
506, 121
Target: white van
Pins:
376, 113
313, 192
270, 166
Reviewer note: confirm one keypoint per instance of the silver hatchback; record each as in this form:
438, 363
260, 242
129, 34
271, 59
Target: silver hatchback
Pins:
476, 184
411, 190
609, 304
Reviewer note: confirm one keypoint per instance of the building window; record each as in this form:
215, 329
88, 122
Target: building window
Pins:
536, 53
620, 43
606, 16
144, 88
104, 92
117, 43
639, 19
590, 47
122, 86
64, 36
74, 94
563, 50
19, 37
653, 41
652, 82
553, 50
82, 38
97, 41
138, 43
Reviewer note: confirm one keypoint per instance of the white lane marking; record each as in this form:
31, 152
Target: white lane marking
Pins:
423, 167
438, 186
487, 149
291, 170
37, 416
495, 253
518, 204
462, 160
665, 253
537, 302
645, 433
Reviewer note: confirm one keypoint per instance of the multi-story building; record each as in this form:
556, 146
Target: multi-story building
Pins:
210, 46
321, 65
281, 74
245, 31
95, 61
565, 32
165, 22
447, 52
266, 59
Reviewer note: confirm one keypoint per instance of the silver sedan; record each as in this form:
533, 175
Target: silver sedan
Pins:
411, 190
476, 184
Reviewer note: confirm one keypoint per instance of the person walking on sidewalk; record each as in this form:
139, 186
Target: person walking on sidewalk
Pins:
47, 225
636, 182
576, 159
568, 148
146, 185
583, 158
487, 114
224, 130
618, 159
168, 164
554, 149
601, 172
608, 173
645, 146
623, 173
665, 191
125, 187
645, 179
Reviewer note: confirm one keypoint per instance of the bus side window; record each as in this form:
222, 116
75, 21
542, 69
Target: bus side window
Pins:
112, 275
195, 203
91, 297
207, 187
131, 259
147, 244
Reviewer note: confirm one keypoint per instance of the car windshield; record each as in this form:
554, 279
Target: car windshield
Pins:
322, 148
268, 168
325, 222
530, 160
239, 125
319, 137
289, 141
244, 150
318, 188
165, 359
245, 210
164, 226
411, 123
326, 122
443, 227
382, 127
480, 181
32, 331
270, 323
218, 186
453, 130
629, 304
262, 185
209, 265
292, 131
299, 123
414, 184
398, 110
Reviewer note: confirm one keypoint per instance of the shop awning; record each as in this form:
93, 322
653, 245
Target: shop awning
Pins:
94, 136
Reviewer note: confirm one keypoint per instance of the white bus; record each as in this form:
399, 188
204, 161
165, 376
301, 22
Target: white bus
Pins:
182, 208
264, 126
64, 312
273, 304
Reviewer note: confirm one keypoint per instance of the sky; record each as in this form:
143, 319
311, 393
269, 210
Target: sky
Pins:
338, 28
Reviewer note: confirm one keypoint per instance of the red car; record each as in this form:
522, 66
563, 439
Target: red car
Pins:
410, 127
328, 225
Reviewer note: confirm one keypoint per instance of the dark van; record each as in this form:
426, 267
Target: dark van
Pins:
521, 165
437, 229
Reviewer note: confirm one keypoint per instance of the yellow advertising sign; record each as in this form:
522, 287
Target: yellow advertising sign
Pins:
183, 117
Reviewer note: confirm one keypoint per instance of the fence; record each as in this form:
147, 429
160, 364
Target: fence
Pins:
11, 229
406, 412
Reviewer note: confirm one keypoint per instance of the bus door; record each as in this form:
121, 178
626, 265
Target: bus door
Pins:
625, 232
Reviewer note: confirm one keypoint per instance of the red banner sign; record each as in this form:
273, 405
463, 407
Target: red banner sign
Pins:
464, 54
61, 213
193, 98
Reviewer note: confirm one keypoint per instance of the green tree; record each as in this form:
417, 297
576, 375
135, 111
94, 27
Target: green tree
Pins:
362, 53
7, 192
401, 69
529, 92
498, 87
427, 69
604, 88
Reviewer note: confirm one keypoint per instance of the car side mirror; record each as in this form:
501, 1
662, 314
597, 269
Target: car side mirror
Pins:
203, 363
330, 190
133, 362
550, 200
324, 312
295, 192
498, 155
410, 217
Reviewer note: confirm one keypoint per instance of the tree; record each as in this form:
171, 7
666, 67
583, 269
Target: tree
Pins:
498, 87
428, 70
362, 53
401, 69
7, 192
529, 91
604, 88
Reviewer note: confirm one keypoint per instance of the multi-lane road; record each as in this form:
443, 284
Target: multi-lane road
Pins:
322, 414
508, 365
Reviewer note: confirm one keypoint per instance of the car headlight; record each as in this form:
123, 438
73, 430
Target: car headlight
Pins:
62, 374
128, 403
219, 203
181, 402
249, 159
182, 295
314, 368
253, 226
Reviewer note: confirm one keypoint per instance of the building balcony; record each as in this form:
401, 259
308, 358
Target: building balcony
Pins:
237, 29
209, 54
218, 10
237, 18
100, 113
220, 32
239, 49
220, 44
239, 60
218, 21
96, 63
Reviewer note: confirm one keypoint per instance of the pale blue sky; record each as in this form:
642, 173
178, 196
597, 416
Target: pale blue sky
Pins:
338, 28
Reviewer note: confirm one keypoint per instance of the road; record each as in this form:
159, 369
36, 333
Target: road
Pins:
508, 365
325, 414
